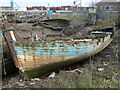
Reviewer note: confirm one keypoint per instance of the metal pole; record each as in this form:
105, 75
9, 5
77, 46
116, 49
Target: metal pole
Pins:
118, 15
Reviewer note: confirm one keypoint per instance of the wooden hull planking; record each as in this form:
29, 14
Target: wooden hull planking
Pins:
33, 57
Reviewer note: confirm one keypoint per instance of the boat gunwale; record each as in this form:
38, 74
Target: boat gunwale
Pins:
82, 39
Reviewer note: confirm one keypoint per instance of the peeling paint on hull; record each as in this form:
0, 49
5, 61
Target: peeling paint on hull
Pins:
60, 62
31, 59
58, 51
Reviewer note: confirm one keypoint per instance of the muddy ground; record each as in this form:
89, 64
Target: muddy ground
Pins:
99, 71
30, 32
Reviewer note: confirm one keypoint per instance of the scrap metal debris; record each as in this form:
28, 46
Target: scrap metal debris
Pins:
52, 75
108, 56
76, 70
105, 63
100, 69
35, 79
32, 83
20, 84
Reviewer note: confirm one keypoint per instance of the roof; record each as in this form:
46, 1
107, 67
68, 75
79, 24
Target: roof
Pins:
118, 0
110, 1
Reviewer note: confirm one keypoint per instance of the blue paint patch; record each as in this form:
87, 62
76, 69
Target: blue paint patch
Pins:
49, 12
28, 13
39, 50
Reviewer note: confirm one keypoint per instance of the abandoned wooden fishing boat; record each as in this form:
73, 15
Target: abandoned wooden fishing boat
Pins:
55, 24
36, 58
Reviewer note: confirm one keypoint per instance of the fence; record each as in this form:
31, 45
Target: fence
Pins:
81, 13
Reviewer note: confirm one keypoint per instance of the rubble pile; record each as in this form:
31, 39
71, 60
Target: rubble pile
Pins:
29, 30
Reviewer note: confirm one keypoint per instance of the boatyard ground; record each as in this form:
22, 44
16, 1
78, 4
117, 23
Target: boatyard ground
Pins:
99, 71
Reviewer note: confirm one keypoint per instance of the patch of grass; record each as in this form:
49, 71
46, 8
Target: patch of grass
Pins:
88, 80
103, 83
85, 81
104, 25
69, 17
82, 82
116, 20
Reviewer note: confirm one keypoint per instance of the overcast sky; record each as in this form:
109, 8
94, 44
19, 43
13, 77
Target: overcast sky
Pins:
24, 3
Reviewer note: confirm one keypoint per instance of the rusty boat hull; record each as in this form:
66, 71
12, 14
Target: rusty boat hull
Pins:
36, 58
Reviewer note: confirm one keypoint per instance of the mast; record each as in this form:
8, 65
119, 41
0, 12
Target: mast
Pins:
12, 4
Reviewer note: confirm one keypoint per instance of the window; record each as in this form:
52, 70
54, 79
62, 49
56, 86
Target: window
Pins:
108, 7
111, 8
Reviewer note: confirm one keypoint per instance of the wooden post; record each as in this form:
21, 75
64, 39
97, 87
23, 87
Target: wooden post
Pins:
1, 51
12, 35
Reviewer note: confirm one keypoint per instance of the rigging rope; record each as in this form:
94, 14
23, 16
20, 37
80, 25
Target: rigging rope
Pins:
18, 5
